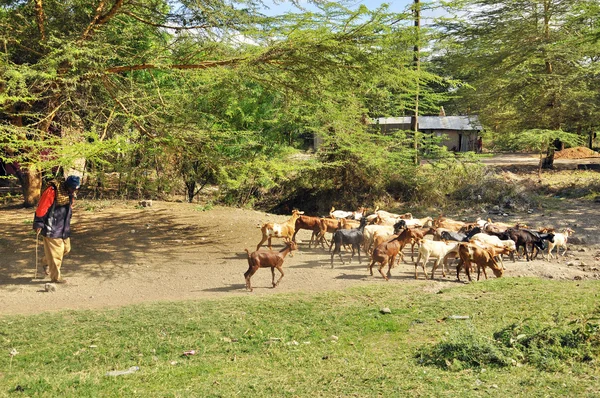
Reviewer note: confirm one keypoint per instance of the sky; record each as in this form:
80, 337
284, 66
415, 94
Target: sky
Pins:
394, 6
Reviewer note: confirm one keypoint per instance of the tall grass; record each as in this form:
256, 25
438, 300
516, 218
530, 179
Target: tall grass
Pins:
326, 345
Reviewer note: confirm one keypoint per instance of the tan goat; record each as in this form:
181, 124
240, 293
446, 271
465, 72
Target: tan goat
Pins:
274, 230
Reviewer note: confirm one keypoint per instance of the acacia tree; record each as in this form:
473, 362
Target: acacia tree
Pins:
118, 72
531, 63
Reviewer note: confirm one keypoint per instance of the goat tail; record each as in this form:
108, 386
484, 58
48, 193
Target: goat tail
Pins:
247, 252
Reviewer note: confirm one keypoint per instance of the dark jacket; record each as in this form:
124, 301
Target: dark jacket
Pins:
54, 220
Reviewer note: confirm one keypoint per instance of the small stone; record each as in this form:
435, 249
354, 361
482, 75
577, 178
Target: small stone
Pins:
50, 287
385, 310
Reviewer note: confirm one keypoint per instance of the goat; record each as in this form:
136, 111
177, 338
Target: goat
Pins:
560, 240
310, 223
419, 235
352, 237
470, 253
460, 236
499, 227
327, 225
353, 215
494, 241
263, 259
437, 250
543, 236
386, 252
285, 230
419, 222
371, 230
447, 223
523, 237
381, 217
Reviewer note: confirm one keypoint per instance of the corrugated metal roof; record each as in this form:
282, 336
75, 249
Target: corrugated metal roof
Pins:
436, 122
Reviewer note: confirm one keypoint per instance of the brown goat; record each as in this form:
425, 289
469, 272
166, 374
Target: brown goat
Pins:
310, 223
386, 252
286, 230
419, 235
470, 253
452, 225
267, 258
327, 225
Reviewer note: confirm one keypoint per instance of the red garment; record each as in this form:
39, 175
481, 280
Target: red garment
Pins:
45, 202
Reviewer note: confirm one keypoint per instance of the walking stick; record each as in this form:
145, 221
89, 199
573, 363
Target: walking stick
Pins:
37, 240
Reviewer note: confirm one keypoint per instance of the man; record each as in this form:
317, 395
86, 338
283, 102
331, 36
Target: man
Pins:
53, 220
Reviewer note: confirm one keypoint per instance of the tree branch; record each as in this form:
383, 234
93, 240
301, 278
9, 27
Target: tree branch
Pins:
139, 126
202, 65
94, 20
40, 17
101, 19
132, 15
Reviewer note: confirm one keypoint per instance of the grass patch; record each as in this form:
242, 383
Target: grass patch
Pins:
327, 344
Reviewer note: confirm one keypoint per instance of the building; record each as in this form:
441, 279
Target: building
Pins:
460, 132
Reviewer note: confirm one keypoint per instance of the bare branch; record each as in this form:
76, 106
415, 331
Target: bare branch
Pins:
132, 15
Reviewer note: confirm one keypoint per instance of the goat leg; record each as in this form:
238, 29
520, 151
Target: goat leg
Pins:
280, 277
247, 275
435, 265
263, 240
371, 267
381, 268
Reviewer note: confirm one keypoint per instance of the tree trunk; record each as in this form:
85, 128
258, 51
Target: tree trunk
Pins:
31, 184
548, 162
417, 61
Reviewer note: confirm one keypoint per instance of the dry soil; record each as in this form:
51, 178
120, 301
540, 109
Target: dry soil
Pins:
125, 254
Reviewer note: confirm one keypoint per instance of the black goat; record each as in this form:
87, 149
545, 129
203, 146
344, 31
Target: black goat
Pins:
525, 237
352, 237
459, 236
544, 237
399, 226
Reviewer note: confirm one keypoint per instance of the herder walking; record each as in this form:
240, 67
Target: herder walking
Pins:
53, 220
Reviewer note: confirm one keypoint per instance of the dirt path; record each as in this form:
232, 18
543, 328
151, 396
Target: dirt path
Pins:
123, 255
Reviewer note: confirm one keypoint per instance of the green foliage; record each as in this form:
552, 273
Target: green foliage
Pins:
551, 348
464, 348
527, 64
540, 140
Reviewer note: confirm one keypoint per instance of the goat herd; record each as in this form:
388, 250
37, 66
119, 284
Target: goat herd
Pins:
384, 235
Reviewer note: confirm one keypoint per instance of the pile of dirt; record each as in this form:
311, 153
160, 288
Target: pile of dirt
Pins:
579, 152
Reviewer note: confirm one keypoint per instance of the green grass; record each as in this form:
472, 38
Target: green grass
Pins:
327, 345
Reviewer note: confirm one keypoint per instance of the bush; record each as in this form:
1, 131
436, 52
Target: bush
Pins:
464, 348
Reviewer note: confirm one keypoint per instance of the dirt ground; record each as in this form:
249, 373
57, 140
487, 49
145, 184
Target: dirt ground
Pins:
125, 254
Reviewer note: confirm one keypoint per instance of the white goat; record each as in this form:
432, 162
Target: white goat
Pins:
440, 251
371, 230
419, 222
354, 215
560, 240
491, 240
